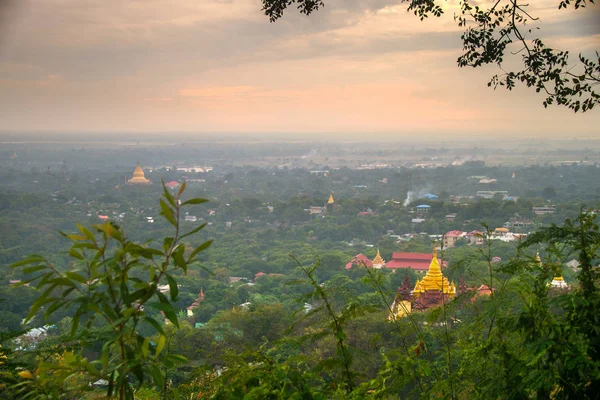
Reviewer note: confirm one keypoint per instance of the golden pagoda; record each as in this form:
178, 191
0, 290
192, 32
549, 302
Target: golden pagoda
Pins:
330, 201
138, 177
559, 282
434, 280
378, 261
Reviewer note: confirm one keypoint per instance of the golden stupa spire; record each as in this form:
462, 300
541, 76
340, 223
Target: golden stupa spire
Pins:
538, 258
138, 175
330, 201
558, 282
378, 261
434, 279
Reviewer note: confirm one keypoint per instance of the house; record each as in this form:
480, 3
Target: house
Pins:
367, 213
501, 231
316, 210
430, 196
191, 218
451, 237
417, 220
475, 237
519, 222
423, 208
360, 260
488, 194
573, 264
450, 217
544, 210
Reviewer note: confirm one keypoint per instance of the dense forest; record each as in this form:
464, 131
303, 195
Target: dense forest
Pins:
257, 301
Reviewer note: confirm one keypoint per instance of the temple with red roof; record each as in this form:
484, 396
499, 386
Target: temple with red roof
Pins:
432, 290
360, 260
196, 303
416, 261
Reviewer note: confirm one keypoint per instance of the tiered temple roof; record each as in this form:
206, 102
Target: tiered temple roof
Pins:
378, 261
435, 280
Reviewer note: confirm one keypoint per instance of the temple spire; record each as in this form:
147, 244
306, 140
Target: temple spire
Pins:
378, 261
435, 280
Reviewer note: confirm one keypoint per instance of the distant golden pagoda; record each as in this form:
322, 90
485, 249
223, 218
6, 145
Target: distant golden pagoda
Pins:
138, 177
378, 261
559, 282
331, 200
434, 280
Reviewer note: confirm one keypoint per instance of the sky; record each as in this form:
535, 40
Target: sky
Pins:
355, 68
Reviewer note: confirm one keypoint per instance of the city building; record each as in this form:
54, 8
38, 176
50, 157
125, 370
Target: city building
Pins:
451, 237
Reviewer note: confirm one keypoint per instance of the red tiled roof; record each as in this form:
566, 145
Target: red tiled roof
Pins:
474, 233
417, 261
412, 256
360, 259
414, 264
455, 233
172, 184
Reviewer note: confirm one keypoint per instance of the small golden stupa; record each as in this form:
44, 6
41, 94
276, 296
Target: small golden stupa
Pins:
378, 261
138, 177
330, 201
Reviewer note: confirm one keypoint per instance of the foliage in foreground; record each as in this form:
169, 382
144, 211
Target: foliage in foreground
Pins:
111, 291
526, 340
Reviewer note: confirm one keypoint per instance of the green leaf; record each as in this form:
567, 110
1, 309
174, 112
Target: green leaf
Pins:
92, 369
167, 195
167, 212
29, 260
145, 347
75, 254
196, 200
104, 356
167, 309
155, 324
88, 234
76, 277
162, 340
194, 231
29, 270
181, 189
173, 287
36, 306
198, 249
177, 358
178, 257
157, 375
167, 242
